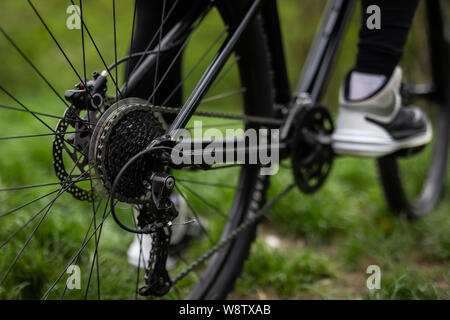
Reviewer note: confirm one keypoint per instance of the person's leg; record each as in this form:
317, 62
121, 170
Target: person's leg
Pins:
380, 50
372, 121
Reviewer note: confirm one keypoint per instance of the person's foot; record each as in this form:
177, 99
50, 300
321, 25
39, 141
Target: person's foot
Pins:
181, 234
378, 125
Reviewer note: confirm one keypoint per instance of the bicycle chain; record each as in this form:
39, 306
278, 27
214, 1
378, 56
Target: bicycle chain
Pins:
221, 115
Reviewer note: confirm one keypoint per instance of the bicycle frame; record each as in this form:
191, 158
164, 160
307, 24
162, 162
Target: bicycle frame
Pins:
313, 78
321, 56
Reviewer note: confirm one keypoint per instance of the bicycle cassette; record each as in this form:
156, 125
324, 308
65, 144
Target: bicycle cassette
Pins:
124, 130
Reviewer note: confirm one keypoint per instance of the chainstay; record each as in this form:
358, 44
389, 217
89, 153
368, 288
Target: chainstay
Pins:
251, 220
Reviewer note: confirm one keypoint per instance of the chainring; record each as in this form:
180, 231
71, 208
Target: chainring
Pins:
124, 130
311, 156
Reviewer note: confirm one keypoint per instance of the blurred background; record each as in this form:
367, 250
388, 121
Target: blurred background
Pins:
309, 247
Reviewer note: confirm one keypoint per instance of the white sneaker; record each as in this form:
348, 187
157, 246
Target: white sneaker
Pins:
379, 125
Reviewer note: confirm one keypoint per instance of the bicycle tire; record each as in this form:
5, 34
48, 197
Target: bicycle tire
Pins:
391, 178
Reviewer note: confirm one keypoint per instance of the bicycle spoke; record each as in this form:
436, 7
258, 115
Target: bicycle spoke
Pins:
174, 60
32, 234
140, 237
42, 185
225, 72
204, 201
217, 185
156, 87
25, 245
77, 254
50, 203
33, 66
223, 95
75, 262
28, 203
54, 40
29, 221
42, 114
83, 52
98, 50
191, 71
194, 212
84, 239
159, 51
96, 243
85, 77
82, 44
226, 166
235, 233
25, 108
37, 135
153, 39
95, 257
63, 189
133, 25
28, 110
97, 260
115, 45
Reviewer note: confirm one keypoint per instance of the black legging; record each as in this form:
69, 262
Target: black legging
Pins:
381, 50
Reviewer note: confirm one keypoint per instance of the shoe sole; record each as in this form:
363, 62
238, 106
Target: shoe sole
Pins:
359, 144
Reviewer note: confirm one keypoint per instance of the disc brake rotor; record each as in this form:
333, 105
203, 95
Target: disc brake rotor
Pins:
76, 147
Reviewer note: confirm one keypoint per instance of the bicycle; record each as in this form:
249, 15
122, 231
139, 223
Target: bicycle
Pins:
112, 151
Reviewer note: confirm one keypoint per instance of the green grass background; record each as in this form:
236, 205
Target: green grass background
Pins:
309, 247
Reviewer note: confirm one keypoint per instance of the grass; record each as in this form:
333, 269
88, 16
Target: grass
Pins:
316, 246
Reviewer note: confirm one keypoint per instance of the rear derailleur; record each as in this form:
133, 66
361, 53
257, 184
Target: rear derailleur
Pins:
155, 218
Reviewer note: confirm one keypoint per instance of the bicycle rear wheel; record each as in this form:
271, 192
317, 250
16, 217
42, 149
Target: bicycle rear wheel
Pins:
413, 183
242, 189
